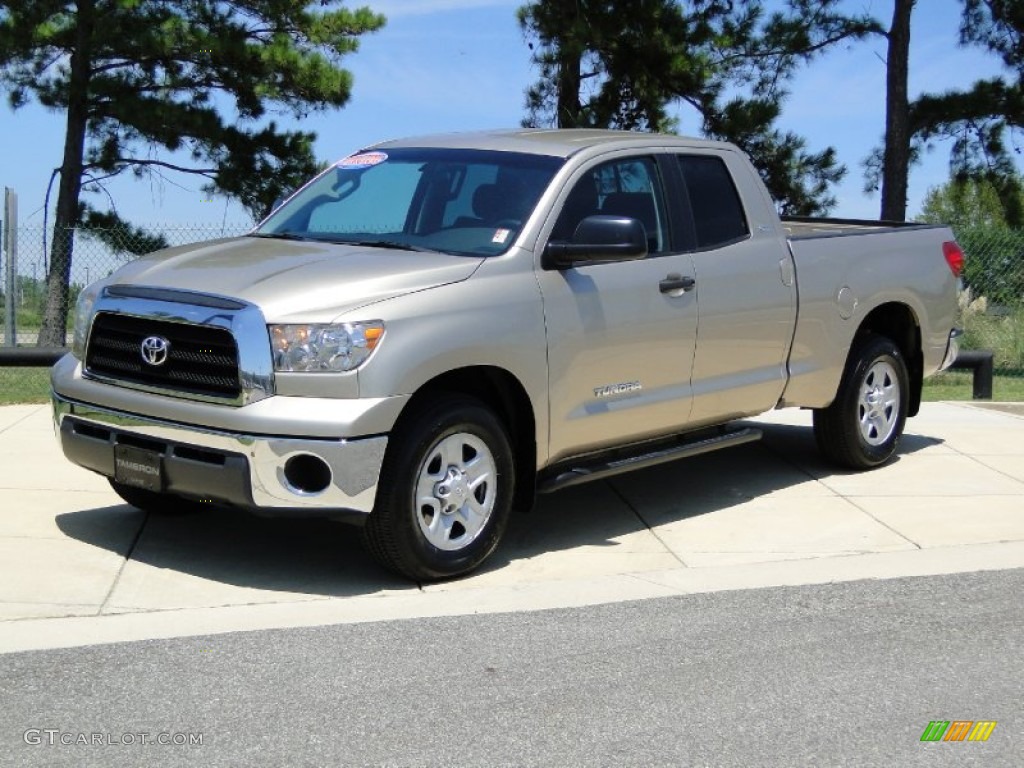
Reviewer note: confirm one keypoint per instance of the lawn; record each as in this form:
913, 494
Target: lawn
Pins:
24, 385
1003, 333
958, 385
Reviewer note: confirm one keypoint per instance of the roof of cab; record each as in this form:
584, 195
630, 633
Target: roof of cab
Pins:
556, 142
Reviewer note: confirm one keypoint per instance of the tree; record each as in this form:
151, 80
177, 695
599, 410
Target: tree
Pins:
961, 203
624, 64
889, 166
979, 118
145, 84
897, 153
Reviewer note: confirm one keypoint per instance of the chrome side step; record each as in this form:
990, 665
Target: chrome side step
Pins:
598, 470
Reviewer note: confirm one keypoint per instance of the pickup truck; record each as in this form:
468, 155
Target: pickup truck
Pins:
434, 330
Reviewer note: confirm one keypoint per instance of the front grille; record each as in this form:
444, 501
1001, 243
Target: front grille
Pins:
201, 359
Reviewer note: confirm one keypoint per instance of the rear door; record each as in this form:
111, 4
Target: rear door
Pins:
745, 292
620, 341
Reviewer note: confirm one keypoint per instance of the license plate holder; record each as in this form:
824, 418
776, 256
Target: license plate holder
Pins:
138, 468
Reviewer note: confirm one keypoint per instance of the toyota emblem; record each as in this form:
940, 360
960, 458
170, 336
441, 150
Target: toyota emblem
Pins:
154, 350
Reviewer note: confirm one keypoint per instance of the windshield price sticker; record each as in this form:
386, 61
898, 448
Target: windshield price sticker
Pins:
363, 160
500, 235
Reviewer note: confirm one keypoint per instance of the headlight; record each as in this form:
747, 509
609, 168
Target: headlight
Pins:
83, 316
327, 348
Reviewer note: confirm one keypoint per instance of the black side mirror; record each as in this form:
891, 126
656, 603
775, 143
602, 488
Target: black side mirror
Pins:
599, 239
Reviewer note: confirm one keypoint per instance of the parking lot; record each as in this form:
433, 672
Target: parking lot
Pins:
79, 567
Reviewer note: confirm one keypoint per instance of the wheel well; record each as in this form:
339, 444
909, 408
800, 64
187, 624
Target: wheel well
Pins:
501, 391
899, 323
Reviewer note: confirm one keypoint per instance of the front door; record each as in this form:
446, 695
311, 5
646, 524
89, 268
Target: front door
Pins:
621, 335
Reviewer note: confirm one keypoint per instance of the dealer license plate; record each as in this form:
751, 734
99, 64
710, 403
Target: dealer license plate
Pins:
138, 467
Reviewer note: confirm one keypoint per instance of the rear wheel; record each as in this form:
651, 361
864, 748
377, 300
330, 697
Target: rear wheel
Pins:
863, 425
150, 501
445, 492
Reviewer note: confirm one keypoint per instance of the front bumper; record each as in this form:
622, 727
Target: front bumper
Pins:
245, 470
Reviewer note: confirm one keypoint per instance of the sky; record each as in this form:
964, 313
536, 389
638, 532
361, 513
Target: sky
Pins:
457, 65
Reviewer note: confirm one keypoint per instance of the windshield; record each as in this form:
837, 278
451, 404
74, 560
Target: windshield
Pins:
458, 201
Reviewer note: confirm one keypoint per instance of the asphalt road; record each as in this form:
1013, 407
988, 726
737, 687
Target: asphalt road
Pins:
844, 674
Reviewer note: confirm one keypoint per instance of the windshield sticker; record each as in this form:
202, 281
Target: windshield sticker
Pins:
501, 235
362, 160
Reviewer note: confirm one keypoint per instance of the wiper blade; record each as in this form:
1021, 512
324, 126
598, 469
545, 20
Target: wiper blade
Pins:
395, 244
279, 235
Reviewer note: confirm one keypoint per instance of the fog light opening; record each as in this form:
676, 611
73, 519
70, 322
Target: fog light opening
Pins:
306, 473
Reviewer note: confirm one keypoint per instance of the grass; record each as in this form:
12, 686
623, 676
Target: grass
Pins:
24, 385
26, 319
958, 385
1002, 333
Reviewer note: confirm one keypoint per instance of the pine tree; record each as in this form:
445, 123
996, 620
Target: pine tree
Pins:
145, 83
625, 64
897, 153
977, 120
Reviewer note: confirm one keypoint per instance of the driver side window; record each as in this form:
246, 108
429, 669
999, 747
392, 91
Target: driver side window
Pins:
626, 187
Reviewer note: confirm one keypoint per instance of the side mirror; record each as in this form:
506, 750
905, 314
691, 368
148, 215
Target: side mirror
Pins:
598, 239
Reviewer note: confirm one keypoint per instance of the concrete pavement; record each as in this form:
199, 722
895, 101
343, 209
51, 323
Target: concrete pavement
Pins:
79, 567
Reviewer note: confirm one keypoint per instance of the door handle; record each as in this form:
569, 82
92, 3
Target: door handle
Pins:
677, 282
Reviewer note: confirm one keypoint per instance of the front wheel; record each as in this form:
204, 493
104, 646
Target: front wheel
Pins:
863, 425
445, 492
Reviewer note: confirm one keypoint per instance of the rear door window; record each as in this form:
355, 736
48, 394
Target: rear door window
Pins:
718, 216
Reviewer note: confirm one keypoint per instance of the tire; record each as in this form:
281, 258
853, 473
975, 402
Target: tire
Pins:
862, 427
150, 501
445, 492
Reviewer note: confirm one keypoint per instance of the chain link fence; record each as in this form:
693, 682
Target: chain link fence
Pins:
97, 253
991, 304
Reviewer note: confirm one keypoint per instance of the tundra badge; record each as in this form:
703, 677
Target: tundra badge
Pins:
618, 389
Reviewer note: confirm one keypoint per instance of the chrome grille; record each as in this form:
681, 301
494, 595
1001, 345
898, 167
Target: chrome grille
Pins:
201, 359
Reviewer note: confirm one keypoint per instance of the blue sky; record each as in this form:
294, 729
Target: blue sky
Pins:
454, 65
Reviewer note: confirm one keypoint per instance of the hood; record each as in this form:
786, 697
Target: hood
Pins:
307, 281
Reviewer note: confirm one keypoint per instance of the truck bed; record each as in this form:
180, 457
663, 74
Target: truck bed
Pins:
801, 227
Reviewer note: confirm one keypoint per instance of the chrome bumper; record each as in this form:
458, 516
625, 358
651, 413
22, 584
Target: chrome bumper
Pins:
241, 469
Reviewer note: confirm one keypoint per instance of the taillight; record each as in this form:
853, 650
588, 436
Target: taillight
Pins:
954, 257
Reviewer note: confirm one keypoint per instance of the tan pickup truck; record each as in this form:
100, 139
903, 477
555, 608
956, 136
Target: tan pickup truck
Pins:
433, 330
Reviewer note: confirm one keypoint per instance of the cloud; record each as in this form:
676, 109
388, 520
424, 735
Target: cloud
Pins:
397, 8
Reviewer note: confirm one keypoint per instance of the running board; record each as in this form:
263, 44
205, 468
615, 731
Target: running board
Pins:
603, 469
